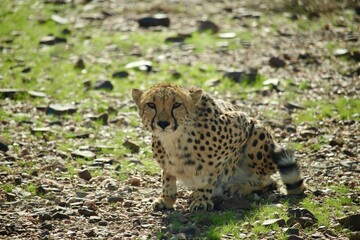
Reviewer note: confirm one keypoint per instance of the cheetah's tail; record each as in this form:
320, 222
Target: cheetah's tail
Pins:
289, 171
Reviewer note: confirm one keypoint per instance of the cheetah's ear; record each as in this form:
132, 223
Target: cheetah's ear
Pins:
136, 95
196, 96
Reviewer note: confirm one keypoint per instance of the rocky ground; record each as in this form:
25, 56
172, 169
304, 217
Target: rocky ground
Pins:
65, 174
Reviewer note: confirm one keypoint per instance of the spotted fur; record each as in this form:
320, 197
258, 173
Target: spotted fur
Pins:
210, 146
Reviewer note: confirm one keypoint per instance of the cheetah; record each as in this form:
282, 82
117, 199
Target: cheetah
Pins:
210, 146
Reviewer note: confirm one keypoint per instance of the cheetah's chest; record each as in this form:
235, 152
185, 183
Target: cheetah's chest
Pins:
183, 163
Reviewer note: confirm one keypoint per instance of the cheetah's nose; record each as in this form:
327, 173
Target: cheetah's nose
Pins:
163, 124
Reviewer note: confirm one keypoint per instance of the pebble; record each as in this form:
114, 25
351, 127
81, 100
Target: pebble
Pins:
52, 40
134, 182
120, 74
59, 109
103, 84
60, 216
83, 154
280, 222
351, 222
4, 144
113, 199
84, 174
86, 212
134, 148
155, 21
276, 62
210, 26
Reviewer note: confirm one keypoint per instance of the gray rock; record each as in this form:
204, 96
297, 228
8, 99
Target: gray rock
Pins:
8, 93
351, 222
134, 148
141, 65
103, 84
227, 35
4, 144
59, 215
59, 109
37, 94
208, 26
155, 21
86, 212
83, 154
276, 62
52, 40
120, 74
292, 231
294, 237
113, 199
47, 226
84, 174
354, 235
270, 222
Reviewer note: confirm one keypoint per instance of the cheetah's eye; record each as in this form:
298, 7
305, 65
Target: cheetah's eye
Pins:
151, 105
176, 105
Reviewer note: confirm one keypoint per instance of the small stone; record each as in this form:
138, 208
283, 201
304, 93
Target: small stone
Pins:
84, 174
141, 65
190, 231
280, 222
354, 235
349, 153
240, 76
210, 26
4, 144
103, 223
43, 216
181, 236
81, 194
179, 38
80, 64
26, 70
227, 35
60, 216
212, 82
86, 212
40, 190
305, 222
276, 62
8, 93
293, 231
114, 199
351, 222
340, 52
336, 142
90, 234
58, 109
132, 146
52, 40
154, 21
47, 226
83, 154
58, 19
120, 74
103, 84
271, 82
307, 134
134, 182
40, 130
127, 204
294, 237
36, 94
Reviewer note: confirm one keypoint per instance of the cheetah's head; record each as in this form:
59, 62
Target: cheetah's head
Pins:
164, 108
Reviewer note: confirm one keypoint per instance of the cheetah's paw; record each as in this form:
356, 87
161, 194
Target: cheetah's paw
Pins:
198, 204
163, 203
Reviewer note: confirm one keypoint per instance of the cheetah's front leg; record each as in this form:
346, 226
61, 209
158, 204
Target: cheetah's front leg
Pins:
167, 197
202, 198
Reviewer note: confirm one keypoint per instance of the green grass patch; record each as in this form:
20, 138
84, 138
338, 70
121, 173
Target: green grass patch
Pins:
345, 108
